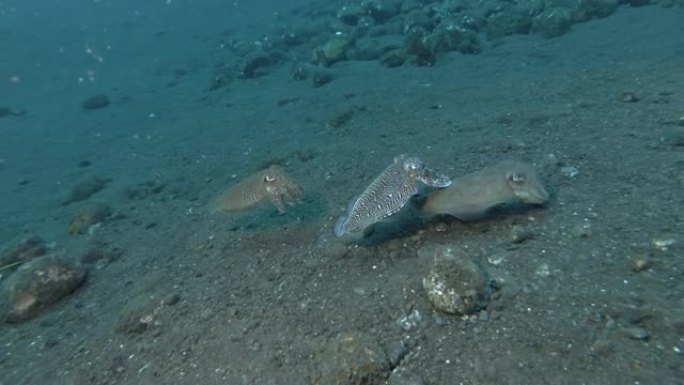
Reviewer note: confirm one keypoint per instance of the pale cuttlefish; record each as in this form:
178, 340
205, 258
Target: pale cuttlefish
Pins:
268, 185
475, 195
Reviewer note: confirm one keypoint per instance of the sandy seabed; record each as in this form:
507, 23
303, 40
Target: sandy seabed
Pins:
194, 297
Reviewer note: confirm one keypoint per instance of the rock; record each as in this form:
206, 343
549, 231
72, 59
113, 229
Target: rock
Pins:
99, 253
255, 62
334, 50
403, 376
636, 333
640, 263
381, 10
91, 215
351, 14
543, 271
24, 251
221, 78
419, 19
340, 118
636, 3
85, 189
520, 234
299, 72
413, 44
508, 20
552, 22
96, 102
372, 48
140, 315
628, 97
449, 36
295, 35
454, 283
666, 242
602, 347
352, 358
582, 230
144, 190
366, 26
594, 9
410, 321
38, 284
569, 171
321, 78
397, 350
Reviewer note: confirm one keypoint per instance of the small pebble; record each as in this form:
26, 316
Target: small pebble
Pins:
543, 270
550, 160
172, 299
441, 227
628, 97
411, 321
637, 333
520, 234
640, 263
497, 258
403, 376
581, 230
663, 244
569, 171
602, 347
95, 102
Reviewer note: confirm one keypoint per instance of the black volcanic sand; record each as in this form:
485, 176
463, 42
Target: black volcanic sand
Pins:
591, 295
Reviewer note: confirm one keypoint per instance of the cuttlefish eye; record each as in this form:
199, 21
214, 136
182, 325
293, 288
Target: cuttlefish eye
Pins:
269, 178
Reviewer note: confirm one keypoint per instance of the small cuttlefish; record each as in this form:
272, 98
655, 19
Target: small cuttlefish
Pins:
388, 193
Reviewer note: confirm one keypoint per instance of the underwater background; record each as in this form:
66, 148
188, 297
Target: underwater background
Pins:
340, 192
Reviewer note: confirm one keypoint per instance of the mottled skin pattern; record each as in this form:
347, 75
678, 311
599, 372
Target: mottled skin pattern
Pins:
388, 193
271, 184
473, 195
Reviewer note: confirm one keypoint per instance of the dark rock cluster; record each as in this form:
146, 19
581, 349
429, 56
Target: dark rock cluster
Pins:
397, 32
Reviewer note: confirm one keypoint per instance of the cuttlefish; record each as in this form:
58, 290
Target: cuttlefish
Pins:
474, 195
268, 185
388, 193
